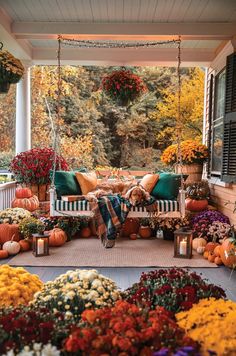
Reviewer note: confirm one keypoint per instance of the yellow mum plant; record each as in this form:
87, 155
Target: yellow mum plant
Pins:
17, 286
11, 68
192, 151
212, 323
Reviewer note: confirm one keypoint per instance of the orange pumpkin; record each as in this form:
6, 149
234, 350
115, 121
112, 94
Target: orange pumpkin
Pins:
30, 204
217, 251
85, 232
210, 246
130, 226
145, 232
57, 237
24, 245
3, 254
205, 255
211, 257
228, 253
133, 236
7, 231
218, 261
196, 205
23, 193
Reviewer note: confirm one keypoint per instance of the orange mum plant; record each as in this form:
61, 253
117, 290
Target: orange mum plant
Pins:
191, 151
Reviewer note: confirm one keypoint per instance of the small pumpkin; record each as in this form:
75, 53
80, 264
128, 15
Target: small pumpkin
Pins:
133, 236
205, 254
85, 232
210, 246
23, 193
145, 232
228, 253
30, 204
211, 257
7, 231
198, 242
200, 249
24, 245
196, 205
217, 251
12, 247
218, 261
57, 237
3, 254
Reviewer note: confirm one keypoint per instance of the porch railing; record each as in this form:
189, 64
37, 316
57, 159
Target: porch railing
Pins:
7, 194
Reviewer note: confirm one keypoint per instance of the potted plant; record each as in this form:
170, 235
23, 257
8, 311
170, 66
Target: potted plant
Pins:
145, 230
123, 86
33, 167
193, 155
11, 70
197, 195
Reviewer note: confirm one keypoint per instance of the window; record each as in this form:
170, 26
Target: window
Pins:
217, 125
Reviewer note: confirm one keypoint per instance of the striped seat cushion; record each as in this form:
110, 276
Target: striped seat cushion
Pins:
83, 205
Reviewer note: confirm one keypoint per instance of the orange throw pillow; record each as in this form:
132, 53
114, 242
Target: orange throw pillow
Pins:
87, 181
149, 181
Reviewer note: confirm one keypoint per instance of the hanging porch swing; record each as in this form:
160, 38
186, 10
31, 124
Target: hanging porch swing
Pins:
164, 208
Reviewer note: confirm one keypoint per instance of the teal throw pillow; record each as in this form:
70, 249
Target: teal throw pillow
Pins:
66, 183
167, 187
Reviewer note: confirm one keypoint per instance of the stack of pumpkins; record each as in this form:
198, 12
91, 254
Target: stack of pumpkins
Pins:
10, 241
25, 199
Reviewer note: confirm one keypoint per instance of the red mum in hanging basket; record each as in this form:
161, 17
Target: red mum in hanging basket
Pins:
123, 86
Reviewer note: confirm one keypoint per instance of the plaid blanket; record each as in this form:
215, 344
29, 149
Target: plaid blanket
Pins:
110, 213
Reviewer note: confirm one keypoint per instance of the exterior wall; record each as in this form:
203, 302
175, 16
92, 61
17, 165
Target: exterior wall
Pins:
223, 195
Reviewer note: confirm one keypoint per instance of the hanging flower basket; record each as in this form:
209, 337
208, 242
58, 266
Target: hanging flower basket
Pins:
123, 86
11, 70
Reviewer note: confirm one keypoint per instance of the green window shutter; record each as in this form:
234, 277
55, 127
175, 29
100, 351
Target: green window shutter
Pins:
229, 141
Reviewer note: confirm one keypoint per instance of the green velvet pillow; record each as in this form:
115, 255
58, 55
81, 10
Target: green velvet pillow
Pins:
66, 183
167, 187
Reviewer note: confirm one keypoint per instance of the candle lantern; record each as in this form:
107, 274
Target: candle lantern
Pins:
40, 245
183, 243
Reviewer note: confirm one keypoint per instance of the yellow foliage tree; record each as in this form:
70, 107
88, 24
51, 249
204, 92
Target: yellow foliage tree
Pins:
191, 109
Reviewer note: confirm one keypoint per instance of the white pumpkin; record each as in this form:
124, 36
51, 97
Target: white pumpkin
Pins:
198, 242
12, 247
200, 249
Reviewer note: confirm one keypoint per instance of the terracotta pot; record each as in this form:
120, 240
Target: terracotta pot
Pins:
133, 236
145, 232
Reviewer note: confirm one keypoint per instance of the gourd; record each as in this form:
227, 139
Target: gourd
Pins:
3, 254
30, 204
12, 247
145, 232
23, 193
228, 253
217, 251
200, 249
205, 254
7, 231
198, 242
57, 237
24, 245
196, 205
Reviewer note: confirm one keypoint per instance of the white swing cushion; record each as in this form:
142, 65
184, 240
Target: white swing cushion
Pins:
83, 205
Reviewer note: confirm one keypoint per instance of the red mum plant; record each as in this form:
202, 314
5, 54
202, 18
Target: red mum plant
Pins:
123, 86
25, 326
33, 166
174, 289
125, 330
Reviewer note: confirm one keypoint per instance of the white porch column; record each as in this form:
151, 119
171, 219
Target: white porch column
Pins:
23, 112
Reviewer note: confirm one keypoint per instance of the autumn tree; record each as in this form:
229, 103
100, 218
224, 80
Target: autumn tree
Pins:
191, 109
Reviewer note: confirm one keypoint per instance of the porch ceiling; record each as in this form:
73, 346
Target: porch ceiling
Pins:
29, 29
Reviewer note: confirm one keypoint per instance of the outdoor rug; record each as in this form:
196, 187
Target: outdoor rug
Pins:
126, 253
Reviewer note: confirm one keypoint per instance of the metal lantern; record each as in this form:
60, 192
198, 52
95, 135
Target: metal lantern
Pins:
183, 243
40, 245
